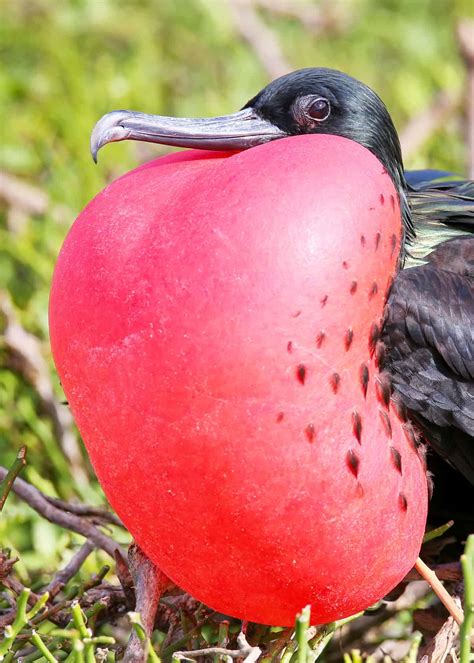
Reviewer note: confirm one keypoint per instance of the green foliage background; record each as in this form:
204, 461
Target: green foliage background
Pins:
66, 62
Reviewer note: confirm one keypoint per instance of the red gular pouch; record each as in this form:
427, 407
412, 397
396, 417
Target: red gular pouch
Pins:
213, 319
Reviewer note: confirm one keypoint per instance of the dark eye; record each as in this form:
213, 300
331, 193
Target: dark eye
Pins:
319, 109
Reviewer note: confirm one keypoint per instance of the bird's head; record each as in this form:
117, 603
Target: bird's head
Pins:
326, 101
308, 101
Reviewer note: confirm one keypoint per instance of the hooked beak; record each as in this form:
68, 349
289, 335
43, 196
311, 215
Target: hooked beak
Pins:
238, 131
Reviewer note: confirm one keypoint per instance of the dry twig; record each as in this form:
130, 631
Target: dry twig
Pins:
356, 635
97, 515
442, 644
446, 599
21, 200
447, 571
323, 18
25, 356
125, 578
465, 34
6, 578
245, 652
422, 126
71, 521
259, 37
64, 575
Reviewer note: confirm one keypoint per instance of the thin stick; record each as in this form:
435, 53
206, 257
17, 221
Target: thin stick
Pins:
317, 20
24, 355
248, 653
41, 504
426, 123
94, 512
260, 37
170, 649
465, 34
446, 599
13, 472
70, 570
447, 571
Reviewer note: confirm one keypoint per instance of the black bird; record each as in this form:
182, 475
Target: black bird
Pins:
427, 340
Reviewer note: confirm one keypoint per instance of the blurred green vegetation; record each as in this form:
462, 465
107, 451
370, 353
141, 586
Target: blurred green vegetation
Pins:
66, 62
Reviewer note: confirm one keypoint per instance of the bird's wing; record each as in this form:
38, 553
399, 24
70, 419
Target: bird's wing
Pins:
440, 206
428, 334
440, 197
419, 179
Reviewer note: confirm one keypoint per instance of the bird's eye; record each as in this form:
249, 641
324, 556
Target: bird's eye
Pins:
319, 109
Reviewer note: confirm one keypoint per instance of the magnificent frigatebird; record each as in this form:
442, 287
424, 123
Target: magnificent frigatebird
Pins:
216, 322
426, 344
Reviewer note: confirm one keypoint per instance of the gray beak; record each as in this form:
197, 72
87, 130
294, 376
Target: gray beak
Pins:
238, 131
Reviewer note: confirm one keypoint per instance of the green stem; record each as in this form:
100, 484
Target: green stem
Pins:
467, 563
222, 638
36, 640
39, 605
277, 646
78, 652
412, 655
180, 643
84, 632
12, 630
142, 636
325, 634
22, 618
12, 474
439, 531
100, 640
302, 625
289, 651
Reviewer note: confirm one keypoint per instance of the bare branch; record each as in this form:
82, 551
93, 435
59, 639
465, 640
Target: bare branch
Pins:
125, 578
446, 599
259, 36
354, 634
447, 571
70, 570
322, 18
25, 356
20, 195
23, 200
441, 645
422, 126
41, 504
246, 652
465, 34
96, 514
6, 577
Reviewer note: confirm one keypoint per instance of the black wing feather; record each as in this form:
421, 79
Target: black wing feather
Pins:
438, 196
429, 338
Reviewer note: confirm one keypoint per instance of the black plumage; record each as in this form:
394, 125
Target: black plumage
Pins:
428, 334
439, 197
